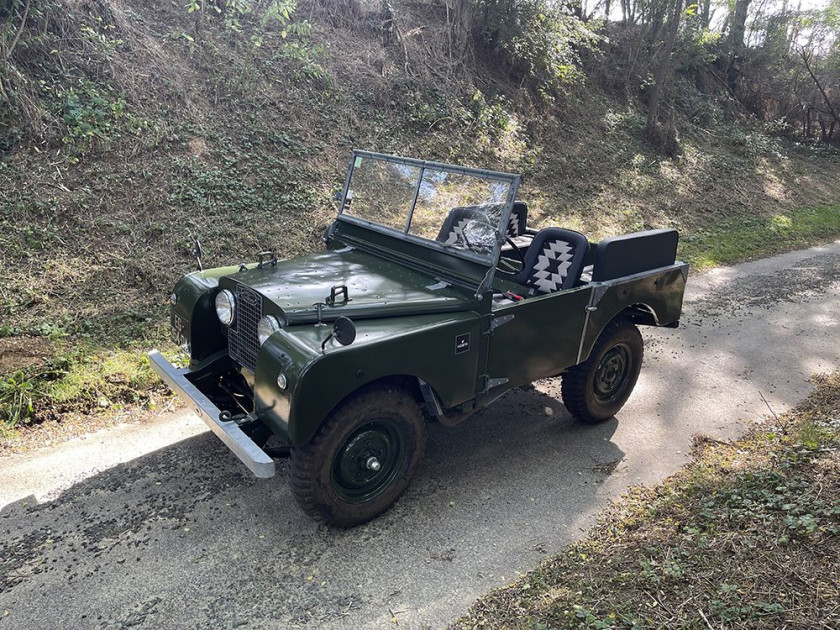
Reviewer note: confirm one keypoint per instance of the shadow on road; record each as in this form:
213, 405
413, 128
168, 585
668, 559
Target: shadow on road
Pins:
186, 537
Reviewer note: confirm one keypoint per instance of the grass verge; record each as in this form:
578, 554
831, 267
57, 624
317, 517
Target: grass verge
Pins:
745, 536
55, 376
75, 379
750, 237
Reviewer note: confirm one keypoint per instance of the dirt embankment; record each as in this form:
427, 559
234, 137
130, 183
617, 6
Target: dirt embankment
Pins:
155, 128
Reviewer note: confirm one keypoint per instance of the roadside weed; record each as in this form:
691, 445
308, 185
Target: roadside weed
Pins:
17, 394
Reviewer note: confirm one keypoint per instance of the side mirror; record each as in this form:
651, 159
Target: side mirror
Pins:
343, 330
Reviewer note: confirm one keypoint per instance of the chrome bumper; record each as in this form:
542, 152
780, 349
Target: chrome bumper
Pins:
227, 431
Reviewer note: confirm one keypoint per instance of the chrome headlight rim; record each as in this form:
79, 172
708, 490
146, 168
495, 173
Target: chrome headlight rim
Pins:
267, 326
225, 307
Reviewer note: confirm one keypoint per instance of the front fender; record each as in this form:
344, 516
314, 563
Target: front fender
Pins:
421, 346
193, 315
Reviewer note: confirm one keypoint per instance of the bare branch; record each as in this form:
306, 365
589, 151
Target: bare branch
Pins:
19, 30
806, 58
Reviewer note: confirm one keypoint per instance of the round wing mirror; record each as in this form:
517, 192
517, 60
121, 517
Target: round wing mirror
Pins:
344, 331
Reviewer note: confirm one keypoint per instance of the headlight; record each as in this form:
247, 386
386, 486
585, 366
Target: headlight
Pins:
268, 326
225, 307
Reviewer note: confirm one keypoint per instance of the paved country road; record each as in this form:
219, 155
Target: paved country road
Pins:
156, 526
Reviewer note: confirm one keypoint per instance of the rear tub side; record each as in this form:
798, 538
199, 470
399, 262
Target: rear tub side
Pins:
443, 352
656, 296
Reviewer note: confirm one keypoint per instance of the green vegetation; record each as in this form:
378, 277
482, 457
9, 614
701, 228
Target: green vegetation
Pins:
747, 535
753, 237
126, 131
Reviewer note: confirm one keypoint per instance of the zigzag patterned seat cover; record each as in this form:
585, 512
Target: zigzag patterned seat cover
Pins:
552, 266
456, 231
554, 260
452, 231
518, 220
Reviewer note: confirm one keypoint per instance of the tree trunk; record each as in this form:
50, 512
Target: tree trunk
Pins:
738, 27
706, 13
828, 102
661, 76
460, 21
823, 130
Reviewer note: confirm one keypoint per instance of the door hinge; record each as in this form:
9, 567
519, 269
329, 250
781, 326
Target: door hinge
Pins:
490, 383
499, 321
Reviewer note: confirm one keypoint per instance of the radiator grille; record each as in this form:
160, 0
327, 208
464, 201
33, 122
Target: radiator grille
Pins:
243, 344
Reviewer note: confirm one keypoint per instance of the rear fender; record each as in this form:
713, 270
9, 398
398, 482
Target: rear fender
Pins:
652, 299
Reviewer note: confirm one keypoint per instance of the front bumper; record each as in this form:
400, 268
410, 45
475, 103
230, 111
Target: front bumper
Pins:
226, 430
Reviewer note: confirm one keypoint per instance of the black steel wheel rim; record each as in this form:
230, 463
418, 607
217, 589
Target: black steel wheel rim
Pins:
368, 461
612, 374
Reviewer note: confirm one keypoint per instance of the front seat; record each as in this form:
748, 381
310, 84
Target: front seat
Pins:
452, 231
518, 222
553, 261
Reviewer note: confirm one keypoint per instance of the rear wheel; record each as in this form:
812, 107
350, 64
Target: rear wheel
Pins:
597, 389
361, 459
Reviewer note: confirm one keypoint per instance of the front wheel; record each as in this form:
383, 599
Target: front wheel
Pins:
361, 459
597, 389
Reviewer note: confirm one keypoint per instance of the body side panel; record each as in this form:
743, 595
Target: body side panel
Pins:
421, 346
542, 338
661, 291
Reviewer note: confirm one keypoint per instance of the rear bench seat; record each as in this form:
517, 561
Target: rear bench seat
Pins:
629, 254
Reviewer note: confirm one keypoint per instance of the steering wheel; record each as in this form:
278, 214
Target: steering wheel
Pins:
504, 261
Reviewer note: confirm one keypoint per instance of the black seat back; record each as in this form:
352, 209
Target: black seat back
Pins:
634, 253
518, 220
554, 260
453, 226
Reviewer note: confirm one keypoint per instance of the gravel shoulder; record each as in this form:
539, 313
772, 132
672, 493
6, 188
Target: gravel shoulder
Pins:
155, 525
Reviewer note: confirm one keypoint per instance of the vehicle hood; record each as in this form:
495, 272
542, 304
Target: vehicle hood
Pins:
376, 287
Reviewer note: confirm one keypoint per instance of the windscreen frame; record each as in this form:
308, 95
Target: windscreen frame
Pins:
490, 260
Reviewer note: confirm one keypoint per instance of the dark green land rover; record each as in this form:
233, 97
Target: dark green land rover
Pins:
431, 300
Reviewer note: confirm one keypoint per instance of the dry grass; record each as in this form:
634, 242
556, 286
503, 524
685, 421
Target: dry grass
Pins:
746, 536
201, 134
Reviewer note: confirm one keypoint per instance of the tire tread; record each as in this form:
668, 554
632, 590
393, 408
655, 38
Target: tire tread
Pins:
574, 384
307, 460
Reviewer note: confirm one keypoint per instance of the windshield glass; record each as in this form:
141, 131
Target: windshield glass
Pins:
456, 208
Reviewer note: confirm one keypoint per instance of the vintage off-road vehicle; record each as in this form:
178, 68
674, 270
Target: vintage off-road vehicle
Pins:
432, 299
